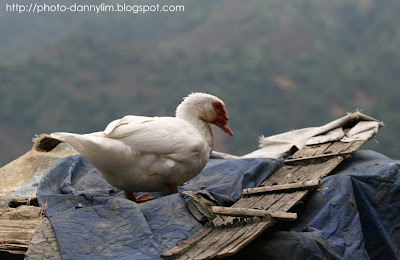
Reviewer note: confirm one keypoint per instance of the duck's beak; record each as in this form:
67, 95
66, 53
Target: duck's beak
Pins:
222, 122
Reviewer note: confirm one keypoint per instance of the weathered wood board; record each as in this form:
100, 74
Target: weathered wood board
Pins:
227, 234
17, 227
304, 185
19, 216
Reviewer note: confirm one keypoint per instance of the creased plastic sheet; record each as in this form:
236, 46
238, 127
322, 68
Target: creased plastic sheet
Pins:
93, 220
355, 214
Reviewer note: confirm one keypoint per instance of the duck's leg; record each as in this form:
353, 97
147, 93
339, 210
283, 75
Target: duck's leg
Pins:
139, 199
130, 196
173, 188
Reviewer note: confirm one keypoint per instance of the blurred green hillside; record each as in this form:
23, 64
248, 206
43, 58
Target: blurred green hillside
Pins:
278, 65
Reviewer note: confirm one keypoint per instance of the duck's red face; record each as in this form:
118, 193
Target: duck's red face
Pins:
221, 120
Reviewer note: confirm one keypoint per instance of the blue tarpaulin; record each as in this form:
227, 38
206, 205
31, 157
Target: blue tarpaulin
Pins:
92, 220
354, 215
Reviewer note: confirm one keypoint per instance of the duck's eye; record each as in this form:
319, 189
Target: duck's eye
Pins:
218, 107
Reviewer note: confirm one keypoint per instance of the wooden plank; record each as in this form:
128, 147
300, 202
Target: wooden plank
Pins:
210, 245
312, 171
256, 202
17, 226
230, 233
226, 240
30, 201
321, 170
315, 157
268, 198
285, 175
188, 243
289, 201
17, 248
245, 202
337, 147
311, 150
355, 146
283, 202
261, 204
307, 172
245, 212
246, 238
283, 187
241, 236
306, 151
321, 148
334, 149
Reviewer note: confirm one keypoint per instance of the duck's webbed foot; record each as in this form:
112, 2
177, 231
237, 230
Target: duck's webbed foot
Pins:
139, 199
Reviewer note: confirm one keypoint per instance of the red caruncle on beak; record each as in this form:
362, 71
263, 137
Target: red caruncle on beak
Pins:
221, 120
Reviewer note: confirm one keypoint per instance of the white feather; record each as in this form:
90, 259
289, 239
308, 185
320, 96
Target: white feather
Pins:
138, 153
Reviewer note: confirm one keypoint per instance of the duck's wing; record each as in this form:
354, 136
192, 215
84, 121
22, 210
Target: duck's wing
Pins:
124, 121
162, 135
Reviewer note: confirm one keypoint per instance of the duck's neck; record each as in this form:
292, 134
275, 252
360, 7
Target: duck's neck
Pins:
202, 126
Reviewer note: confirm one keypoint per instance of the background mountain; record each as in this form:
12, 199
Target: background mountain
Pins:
278, 65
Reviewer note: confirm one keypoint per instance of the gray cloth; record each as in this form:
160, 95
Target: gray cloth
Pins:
282, 145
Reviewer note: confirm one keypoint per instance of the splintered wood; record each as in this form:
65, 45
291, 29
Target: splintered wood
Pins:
17, 228
282, 188
235, 227
245, 213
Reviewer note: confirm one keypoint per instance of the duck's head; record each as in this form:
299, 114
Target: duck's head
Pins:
206, 107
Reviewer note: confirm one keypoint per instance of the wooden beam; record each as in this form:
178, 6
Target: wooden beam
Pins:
304, 185
188, 243
288, 161
16, 202
241, 240
244, 212
225, 239
17, 226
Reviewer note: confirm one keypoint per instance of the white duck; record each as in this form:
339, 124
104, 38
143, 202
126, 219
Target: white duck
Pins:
138, 153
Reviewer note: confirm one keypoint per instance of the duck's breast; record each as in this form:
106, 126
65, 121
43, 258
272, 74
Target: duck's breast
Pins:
163, 151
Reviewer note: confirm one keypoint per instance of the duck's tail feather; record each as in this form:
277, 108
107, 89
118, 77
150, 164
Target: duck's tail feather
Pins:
94, 146
59, 135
